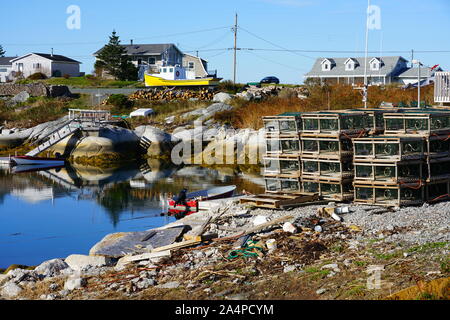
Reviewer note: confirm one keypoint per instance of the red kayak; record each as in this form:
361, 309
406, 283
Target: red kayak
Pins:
193, 198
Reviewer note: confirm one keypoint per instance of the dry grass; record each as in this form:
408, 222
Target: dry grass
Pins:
333, 97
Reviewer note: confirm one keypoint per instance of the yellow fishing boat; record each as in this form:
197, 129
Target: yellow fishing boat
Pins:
170, 76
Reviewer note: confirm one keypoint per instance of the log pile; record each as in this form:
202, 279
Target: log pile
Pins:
156, 94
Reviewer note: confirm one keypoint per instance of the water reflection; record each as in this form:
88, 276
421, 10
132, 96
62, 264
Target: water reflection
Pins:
91, 202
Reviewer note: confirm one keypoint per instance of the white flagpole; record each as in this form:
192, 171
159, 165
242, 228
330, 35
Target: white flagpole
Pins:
365, 58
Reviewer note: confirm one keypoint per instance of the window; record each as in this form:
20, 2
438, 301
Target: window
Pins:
151, 60
349, 66
191, 65
20, 67
171, 70
164, 70
4, 70
36, 65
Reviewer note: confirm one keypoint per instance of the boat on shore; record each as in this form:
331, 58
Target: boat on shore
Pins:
193, 199
28, 160
176, 76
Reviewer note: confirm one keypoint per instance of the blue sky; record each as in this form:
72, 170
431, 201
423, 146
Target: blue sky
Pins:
38, 26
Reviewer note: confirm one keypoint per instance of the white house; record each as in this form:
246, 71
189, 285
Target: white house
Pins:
52, 65
410, 76
5, 68
196, 64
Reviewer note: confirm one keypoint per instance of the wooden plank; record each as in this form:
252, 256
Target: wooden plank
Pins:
263, 226
177, 245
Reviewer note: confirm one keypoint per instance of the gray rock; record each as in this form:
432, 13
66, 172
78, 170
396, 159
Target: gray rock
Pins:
222, 97
52, 268
146, 283
74, 283
169, 285
10, 290
20, 97
321, 291
79, 262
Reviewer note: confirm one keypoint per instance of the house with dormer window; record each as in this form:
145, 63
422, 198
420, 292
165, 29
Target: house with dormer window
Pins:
351, 70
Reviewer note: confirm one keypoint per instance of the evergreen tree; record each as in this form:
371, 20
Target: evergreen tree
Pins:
2, 52
113, 59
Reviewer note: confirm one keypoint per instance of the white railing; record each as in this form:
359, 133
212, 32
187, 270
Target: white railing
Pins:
442, 87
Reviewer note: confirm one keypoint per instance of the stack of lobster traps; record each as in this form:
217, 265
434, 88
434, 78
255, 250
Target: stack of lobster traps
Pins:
282, 158
409, 164
326, 152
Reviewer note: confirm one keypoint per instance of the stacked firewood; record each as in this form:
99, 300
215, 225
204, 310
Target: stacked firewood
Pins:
172, 94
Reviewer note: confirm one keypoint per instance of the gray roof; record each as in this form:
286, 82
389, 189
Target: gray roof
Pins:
53, 57
6, 61
145, 49
338, 67
413, 72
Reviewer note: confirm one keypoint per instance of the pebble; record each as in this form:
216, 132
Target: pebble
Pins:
321, 291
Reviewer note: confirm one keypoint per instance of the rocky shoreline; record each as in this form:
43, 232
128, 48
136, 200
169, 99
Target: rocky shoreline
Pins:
284, 249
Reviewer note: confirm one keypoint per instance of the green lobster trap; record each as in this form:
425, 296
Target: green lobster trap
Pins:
286, 124
438, 146
289, 147
423, 123
437, 191
281, 166
389, 172
329, 189
383, 148
335, 123
282, 185
332, 169
438, 169
326, 148
389, 195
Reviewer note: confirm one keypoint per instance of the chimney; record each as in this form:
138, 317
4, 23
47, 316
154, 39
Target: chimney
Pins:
131, 41
52, 52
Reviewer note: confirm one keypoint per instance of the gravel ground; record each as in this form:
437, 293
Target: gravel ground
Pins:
418, 225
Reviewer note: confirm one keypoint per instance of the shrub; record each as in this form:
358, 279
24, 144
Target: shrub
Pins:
229, 87
66, 76
37, 76
120, 102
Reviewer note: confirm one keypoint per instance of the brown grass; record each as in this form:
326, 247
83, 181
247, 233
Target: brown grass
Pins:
333, 97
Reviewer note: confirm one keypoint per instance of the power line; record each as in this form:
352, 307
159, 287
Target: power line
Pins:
276, 62
275, 45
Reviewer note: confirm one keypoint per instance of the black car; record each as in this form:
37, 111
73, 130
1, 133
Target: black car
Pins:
270, 80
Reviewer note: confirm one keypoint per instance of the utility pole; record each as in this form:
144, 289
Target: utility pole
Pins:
412, 57
235, 47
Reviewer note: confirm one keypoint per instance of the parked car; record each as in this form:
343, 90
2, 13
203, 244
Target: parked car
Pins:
270, 80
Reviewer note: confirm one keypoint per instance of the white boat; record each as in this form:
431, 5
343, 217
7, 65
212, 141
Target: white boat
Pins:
26, 160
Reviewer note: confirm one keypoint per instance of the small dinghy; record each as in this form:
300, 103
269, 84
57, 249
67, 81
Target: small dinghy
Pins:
193, 198
27, 160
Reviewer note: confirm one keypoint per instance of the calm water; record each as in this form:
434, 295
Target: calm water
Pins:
54, 213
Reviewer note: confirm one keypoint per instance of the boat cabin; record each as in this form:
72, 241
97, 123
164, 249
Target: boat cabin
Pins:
174, 73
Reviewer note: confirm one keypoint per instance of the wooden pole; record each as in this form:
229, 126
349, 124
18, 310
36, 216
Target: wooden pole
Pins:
235, 48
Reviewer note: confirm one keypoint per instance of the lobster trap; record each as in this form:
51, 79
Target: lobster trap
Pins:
329, 169
438, 169
329, 189
389, 195
438, 146
390, 172
335, 123
282, 185
326, 148
383, 148
281, 166
437, 191
422, 123
286, 124
289, 147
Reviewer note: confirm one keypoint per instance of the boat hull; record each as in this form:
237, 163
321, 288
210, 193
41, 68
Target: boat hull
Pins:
194, 198
26, 160
152, 81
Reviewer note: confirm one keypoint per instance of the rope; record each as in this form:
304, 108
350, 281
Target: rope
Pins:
415, 188
361, 133
441, 196
248, 250
445, 139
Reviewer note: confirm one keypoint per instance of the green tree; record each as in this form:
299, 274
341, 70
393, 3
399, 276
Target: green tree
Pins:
113, 59
2, 52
